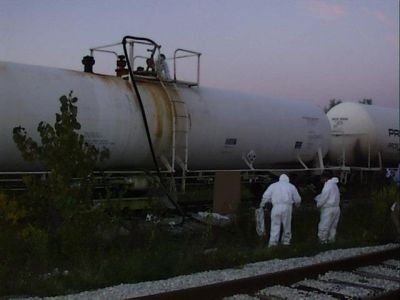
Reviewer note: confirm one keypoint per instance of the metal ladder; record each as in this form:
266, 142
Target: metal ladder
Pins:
180, 130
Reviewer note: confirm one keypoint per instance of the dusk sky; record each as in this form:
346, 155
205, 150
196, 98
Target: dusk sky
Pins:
313, 50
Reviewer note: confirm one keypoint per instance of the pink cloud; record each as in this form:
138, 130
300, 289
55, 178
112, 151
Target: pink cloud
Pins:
383, 18
324, 10
392, 36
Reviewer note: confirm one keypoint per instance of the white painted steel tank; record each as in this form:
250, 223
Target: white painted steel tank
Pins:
360, 132
223, 126
228, 125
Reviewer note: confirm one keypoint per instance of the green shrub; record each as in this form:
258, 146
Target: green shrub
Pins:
56, 218
24, 255
383, 199
367, 219
10, 211
59, 197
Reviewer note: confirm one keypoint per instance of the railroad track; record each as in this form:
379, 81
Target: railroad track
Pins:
369, 276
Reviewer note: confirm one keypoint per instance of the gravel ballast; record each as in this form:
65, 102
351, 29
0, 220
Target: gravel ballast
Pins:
208, 277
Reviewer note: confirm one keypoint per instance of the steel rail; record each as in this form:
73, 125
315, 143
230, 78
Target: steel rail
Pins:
252, 284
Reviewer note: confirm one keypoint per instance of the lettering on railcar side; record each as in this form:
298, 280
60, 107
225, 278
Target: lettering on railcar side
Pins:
230, 141
394, 132
95, 138
337, 122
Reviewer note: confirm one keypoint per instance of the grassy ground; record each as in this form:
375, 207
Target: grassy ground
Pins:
154, 252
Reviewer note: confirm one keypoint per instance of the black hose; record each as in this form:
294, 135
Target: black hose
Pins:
146, 124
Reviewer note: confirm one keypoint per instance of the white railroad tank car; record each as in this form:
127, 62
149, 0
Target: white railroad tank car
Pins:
363, 135
217, 130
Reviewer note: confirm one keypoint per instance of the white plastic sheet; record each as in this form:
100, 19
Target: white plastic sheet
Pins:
260, 225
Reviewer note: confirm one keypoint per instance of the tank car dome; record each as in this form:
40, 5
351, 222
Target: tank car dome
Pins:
362, 133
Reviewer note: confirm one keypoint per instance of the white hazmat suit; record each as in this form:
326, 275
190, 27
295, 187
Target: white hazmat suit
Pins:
282, 195
328, 201
162, 67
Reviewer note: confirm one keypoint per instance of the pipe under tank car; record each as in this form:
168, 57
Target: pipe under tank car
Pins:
363, 135
225, 129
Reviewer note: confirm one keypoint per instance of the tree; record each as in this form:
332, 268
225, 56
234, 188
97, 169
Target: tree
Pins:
332, 102
365, 101
66, 191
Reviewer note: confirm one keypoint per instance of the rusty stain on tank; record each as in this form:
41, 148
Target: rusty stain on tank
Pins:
159, 116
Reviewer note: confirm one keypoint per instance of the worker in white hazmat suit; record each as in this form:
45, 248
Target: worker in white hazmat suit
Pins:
328, 202
162, 67
282, 195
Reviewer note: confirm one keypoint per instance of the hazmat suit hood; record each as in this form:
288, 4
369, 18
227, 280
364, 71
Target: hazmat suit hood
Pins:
284, 178
334, 180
